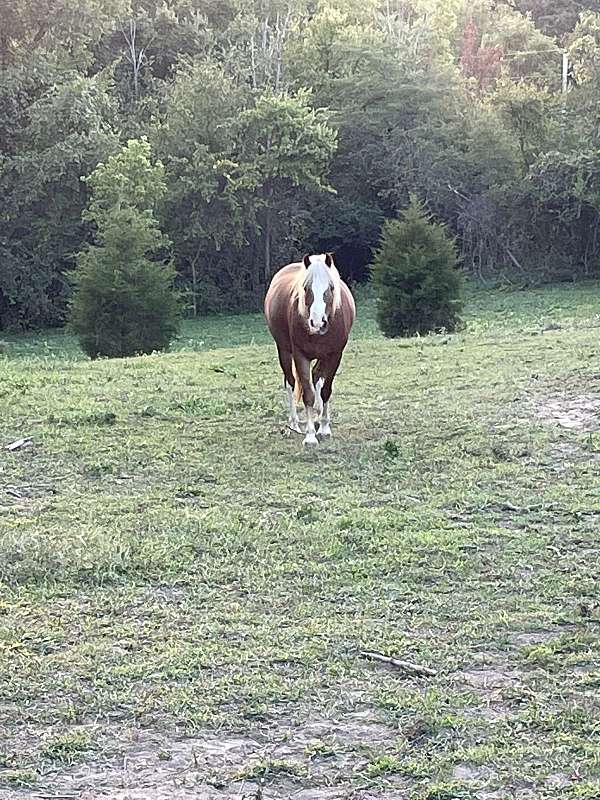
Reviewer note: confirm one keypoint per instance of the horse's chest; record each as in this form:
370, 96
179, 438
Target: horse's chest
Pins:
315, 347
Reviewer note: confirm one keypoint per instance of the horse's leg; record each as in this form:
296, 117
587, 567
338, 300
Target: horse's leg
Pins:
318, 381
325, 371
308, 396
285, 359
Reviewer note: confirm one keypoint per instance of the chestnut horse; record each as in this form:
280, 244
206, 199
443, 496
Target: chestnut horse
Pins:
310, 311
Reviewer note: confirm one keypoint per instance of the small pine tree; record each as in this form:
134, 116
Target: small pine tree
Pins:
414, 272
124, 302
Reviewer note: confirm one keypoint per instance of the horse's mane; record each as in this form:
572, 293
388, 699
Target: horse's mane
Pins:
317, 269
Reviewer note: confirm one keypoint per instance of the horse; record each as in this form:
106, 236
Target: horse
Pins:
309, 311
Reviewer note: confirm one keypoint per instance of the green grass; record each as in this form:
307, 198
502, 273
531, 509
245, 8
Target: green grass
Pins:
183, 586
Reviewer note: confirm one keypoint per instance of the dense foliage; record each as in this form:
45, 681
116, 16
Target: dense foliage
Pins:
287, 125
415, 276
124, 303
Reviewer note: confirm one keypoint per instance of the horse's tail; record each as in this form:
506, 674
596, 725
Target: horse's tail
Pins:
297, 384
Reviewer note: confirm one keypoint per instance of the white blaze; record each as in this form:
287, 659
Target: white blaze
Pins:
319, 279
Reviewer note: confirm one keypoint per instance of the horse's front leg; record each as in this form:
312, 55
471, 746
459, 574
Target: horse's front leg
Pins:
308, 397
325, 423
323, 376
285, 359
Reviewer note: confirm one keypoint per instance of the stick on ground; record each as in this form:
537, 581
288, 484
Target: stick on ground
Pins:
18, 443
406, 666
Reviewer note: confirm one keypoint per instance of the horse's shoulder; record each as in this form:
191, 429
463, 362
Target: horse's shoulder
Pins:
347, 295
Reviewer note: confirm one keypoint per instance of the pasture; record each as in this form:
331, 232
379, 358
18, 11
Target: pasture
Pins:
186, 592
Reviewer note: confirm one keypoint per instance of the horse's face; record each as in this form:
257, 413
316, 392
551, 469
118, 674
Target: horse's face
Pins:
319, 293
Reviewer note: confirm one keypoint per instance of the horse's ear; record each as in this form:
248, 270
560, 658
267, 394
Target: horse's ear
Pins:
328, 259
306, 261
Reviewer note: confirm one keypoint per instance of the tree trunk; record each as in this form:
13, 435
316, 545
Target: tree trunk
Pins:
194, 289
267, 265
268, 234
193, 263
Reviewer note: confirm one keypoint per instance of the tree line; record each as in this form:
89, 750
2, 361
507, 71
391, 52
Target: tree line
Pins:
281, 126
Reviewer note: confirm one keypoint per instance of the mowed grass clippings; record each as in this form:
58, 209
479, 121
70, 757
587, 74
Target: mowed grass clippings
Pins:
187, 591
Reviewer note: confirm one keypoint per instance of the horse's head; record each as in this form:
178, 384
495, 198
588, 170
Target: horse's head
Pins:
321, 290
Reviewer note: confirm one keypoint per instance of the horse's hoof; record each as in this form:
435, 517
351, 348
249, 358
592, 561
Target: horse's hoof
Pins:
325, 432
310, 440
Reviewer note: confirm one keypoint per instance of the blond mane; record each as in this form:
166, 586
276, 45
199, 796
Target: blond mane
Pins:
319, 272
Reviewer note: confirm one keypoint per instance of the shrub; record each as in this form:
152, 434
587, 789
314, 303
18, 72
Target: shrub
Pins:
415, 275
124, 302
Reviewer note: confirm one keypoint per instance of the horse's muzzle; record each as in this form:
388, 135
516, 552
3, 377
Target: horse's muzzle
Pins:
318, 329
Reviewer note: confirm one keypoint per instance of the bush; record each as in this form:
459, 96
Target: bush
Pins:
124, 301
415, 276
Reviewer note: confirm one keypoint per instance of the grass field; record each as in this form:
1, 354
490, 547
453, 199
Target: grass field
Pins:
185, 592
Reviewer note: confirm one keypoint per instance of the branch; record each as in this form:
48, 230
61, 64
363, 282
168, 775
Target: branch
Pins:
288, 429
406, 666
41, 32
18, 444
253, 62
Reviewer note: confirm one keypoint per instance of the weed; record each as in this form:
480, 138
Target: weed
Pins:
68, 747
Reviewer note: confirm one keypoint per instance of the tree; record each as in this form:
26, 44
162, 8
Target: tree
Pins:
124, 303
65, 28
288, 145
476, 61
555, 19
210, 209
415, 277
458, 102
529, 113
60, 128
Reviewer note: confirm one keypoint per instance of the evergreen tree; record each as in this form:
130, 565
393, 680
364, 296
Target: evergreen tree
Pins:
124, 302
415, 276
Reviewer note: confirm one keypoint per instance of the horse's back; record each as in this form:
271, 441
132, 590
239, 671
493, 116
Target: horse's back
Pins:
278, 298
348, 306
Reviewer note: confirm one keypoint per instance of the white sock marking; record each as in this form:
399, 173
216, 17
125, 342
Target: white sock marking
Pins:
294, 422
325, 426
311, 437
318, 400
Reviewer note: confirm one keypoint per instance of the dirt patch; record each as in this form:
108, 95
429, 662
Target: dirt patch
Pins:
494, 686
558, 780
569, 454
302, 759
533, 637
578, 413
472, 773
491, 713
488, 679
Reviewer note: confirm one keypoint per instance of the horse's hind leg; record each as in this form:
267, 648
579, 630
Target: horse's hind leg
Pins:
318, 382
289, 381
